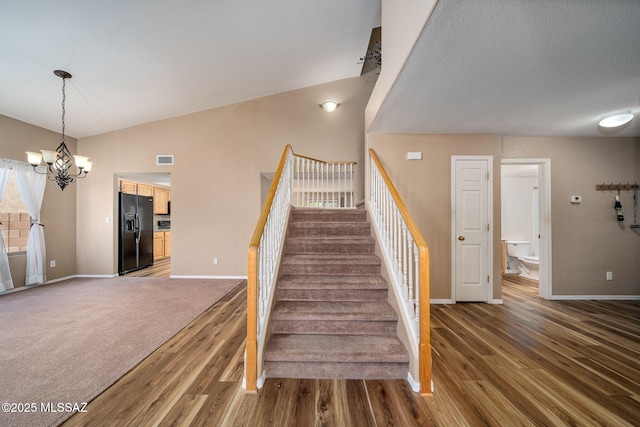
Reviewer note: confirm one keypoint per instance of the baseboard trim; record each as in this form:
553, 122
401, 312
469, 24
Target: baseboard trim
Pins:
442, 301
415, 385
495, 301
25, 287
205, 277
595, 297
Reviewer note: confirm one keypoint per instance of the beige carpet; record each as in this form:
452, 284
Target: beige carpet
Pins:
67, 342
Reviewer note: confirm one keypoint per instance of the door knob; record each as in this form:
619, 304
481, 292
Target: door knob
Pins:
460, 237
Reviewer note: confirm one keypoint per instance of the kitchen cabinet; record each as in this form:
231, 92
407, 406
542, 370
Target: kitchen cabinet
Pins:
161, 197
167, 243
161, 244
145, 190
128, 187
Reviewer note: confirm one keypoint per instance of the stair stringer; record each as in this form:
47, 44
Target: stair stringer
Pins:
403, 329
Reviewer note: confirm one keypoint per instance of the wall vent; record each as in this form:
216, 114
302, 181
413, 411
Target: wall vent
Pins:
164, 159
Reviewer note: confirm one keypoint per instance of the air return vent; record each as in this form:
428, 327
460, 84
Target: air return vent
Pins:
164, 159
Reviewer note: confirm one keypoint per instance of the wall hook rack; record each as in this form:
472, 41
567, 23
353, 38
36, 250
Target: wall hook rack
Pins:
617, 187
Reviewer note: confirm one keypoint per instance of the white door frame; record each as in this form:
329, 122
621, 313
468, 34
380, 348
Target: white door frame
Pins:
454, 236
545, 289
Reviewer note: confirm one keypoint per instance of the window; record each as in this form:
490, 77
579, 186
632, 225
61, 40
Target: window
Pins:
15, 218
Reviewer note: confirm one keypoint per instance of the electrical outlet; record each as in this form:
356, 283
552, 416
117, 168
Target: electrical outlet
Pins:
215, 261
609, 275
576, 199
52, 263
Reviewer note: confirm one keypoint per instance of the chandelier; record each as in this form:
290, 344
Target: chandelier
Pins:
59, 162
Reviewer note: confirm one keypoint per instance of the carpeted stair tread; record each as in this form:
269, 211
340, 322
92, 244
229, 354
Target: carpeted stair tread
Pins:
338, 240
337, 215
332, 310
331, 258
335, 348
329, 229
332, 282
337, 370
326, 264
330, 245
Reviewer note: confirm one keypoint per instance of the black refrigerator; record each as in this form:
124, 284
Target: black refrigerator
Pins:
135, 243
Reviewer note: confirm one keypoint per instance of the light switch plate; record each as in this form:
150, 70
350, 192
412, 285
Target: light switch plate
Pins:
414, 155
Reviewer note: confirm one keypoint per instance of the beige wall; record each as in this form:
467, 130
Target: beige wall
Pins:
58, 207
425, 187
219, 155
587, 240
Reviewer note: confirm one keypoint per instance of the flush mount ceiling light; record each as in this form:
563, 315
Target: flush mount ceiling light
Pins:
59, 161
616, 120
329, 106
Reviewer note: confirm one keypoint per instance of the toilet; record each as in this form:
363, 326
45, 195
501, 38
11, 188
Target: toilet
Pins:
516, 249
528, 266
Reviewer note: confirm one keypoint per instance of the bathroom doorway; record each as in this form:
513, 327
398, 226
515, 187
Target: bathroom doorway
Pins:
526, 219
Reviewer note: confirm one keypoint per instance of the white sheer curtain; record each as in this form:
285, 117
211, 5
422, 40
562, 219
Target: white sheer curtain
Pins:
31, 187
5, 275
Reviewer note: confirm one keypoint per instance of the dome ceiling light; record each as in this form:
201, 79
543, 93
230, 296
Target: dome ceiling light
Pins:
616, 120
329, 106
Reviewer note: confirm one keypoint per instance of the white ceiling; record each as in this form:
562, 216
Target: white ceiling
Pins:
515, 67
520, 67
139, 61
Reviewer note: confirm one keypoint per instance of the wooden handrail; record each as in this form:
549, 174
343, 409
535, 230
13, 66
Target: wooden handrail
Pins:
251, 368
324, 161
424, 347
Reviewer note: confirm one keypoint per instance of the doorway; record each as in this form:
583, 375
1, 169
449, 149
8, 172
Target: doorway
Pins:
156, 188
528, 219
472, 225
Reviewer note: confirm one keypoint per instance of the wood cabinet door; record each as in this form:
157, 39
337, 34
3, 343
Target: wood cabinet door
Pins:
128, 187
167, 243
145, 190
160, 201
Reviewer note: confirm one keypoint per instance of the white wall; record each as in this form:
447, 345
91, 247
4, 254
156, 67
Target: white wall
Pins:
517, 206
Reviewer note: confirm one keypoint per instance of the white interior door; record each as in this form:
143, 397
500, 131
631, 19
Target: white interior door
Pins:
471, 229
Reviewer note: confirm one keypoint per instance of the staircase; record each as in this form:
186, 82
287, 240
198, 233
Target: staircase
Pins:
331, 318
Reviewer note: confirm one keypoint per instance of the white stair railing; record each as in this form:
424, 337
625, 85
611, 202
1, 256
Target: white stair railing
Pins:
407, 256
322, 184
302, 182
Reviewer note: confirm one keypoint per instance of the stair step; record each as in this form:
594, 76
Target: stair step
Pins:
332, 215
335, 348
336, 356
329, 229
328, 317
330, 264
333, 244
332, 282
337, 370
332, 310
332, 294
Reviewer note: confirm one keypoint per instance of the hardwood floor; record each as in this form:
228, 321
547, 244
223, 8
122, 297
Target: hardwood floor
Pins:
528, 362
160, 268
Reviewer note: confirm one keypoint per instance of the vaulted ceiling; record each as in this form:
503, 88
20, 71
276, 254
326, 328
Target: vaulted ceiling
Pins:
139, 61
515, 67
